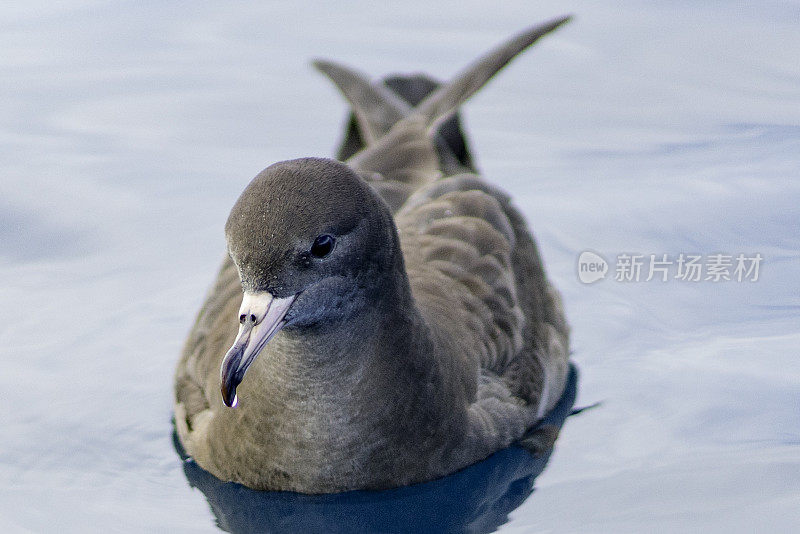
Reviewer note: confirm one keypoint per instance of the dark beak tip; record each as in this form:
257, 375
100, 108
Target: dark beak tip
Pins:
230, 403
230, 377
229, 398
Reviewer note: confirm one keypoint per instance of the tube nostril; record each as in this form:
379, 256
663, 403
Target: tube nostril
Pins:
242, 318
253, 318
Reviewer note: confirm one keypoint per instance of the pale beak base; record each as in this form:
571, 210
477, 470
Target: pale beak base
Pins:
261, 315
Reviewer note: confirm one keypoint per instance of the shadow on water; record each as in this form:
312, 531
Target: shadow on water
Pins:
475, 499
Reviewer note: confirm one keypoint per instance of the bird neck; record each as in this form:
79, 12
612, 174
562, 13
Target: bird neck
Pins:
369, 348
374, 379
385, 325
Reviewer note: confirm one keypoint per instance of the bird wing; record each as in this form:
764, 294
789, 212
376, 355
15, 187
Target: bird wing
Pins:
400, 156
477, 278
457, 242
377, 108
474, 269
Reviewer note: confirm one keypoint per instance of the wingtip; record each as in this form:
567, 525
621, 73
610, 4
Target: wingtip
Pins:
563, 19
321, 64
444, 101
544, 28
554, 23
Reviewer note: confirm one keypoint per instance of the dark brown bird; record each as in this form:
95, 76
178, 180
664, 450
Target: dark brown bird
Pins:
378, 322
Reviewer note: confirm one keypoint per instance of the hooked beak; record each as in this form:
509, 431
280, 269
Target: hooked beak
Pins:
260, 317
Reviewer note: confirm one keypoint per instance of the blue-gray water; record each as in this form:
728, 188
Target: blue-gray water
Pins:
127, 130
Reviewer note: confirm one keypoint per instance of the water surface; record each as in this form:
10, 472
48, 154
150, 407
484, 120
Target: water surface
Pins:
128, 130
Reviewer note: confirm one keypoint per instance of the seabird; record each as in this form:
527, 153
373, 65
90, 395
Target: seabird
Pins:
378, 321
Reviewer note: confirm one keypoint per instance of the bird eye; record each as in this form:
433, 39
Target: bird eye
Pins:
322, 246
